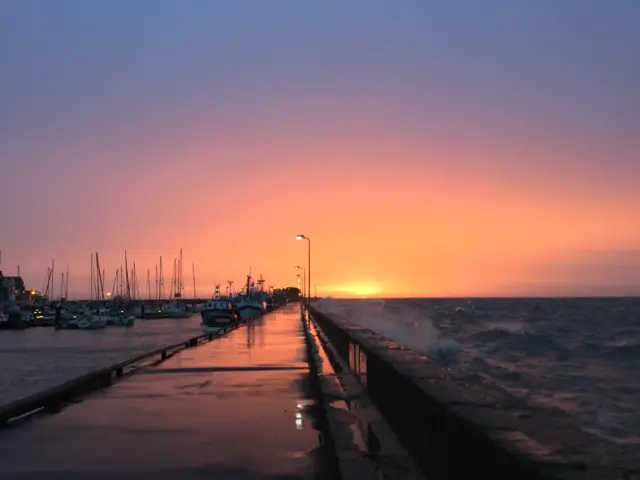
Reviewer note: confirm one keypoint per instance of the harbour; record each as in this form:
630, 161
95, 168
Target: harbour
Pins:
47, 341
319, 240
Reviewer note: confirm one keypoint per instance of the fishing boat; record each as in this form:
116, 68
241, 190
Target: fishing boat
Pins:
252, 304
217, 314
175, 310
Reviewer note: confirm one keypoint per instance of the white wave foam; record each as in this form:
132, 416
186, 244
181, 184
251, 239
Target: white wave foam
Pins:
405, 325
508, 326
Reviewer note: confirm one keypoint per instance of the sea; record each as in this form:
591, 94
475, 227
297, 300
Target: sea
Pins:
577, 356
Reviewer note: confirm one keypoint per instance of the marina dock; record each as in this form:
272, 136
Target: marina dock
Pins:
241, 406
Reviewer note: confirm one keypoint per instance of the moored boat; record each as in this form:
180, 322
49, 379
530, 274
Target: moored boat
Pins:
252, 304
12, 321
44, 317
85, 319
175, 310
120, 319
218, 314
251, 307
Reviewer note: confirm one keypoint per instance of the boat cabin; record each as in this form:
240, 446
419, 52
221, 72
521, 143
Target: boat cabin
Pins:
218, 305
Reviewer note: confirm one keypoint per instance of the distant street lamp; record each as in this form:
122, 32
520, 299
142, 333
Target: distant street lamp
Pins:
304, 274
302, 237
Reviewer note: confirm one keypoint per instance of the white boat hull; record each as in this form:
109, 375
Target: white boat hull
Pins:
121, 320
94, 323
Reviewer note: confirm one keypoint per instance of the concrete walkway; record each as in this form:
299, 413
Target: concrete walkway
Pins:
235, 408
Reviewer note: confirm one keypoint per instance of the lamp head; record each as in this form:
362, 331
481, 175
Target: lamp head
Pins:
300, 237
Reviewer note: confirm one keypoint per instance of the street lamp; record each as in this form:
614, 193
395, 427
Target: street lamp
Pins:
304, 274
302, 237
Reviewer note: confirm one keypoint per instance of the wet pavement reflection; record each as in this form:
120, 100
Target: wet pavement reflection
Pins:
236, 408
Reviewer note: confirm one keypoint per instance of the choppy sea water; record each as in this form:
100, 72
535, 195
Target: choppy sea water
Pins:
580, 356
38, 358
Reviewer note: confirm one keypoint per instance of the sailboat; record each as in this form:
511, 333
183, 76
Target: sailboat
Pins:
175, 309
120, 318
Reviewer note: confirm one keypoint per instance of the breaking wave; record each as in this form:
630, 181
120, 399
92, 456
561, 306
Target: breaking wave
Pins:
578, 356
406, 326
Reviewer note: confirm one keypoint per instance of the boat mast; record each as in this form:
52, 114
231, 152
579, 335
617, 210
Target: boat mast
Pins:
149, 282
180, 275
126, 269
45, 285
53, 264
161, 282
193, 271
91, 280
114, 286
135, 282
99, 280
91, 286
66, 286
172, 293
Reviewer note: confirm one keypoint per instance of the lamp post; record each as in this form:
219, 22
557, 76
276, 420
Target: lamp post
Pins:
304, 274
308, 283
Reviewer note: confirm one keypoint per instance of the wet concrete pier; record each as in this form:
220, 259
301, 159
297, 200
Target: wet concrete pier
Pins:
239, 407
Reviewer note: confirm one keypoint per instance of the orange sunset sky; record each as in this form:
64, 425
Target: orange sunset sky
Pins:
426, 151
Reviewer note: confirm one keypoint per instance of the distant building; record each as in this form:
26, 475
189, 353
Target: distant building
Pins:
12, 288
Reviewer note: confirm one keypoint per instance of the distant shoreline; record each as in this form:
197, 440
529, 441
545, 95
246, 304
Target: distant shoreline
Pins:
506, 297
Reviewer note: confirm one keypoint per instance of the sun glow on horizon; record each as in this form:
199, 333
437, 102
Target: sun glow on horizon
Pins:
417, 169
361, 290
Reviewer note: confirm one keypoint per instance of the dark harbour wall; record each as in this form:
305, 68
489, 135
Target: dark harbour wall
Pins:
456, 425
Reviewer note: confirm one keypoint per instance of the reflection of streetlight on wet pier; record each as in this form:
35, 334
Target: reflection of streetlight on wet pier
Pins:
302, 237
299, 424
